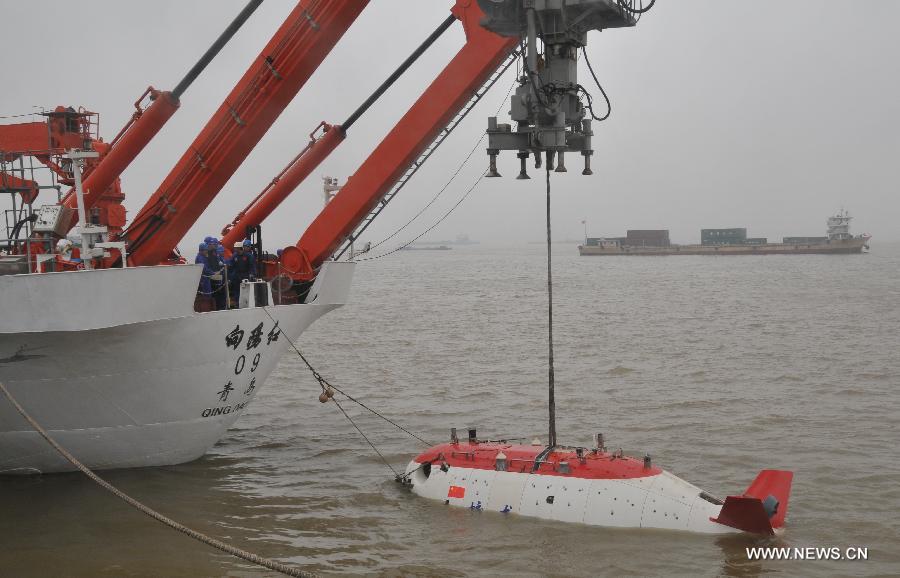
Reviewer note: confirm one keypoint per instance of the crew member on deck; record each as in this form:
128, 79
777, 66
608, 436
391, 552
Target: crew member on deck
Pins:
242, 266
204, 301
248, 250
215, 265
219, 279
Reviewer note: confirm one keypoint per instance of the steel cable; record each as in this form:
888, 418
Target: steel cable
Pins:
449, 182
429, 229
365, 437
324, 384
551, 378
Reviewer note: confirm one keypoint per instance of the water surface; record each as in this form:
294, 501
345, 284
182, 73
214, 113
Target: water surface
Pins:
716, 366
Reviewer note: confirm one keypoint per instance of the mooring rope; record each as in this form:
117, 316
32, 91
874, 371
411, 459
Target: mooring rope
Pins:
326, 387
199, 536
365, 437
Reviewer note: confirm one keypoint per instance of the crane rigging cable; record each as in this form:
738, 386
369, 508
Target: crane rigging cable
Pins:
435, 224
447, 184
414, 167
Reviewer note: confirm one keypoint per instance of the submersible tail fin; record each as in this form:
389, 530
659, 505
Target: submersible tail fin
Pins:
762, 507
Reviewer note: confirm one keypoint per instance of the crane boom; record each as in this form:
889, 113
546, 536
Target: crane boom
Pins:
314, 153
284, 184
145, 123
447, 94
276, 75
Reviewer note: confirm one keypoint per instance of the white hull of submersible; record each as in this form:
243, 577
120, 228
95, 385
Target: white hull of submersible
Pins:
120, 370
590, 487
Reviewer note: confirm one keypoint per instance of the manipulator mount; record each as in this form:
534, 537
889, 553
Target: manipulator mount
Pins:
546, 107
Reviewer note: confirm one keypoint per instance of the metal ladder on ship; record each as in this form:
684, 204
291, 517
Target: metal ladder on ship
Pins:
417, 164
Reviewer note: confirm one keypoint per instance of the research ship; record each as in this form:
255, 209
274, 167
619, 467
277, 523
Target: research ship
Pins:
108, 338
838, 240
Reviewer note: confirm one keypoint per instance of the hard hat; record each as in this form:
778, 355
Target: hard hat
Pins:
208, 240
202, 247
212, 241
238, 246
247, 243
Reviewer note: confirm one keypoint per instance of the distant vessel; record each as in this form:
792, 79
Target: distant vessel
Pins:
460, 240
426, 248
730, 242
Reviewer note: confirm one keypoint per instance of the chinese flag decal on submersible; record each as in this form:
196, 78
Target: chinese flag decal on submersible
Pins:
456, 492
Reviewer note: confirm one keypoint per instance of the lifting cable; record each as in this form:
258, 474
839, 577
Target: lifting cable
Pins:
550, 378
199, 536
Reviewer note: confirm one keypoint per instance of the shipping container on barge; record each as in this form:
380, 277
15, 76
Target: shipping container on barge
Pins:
730, 242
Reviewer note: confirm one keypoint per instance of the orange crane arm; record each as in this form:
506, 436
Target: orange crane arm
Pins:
441, 101
139, 131
314, 153
278, 73
284, 184
145, 123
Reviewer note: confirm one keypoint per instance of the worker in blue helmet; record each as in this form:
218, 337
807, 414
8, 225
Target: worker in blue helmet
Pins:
220, 291
216, 259
204, 301
249, 250
242, 266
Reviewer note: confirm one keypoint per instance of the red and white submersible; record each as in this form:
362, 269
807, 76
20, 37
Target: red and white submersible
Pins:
590, 486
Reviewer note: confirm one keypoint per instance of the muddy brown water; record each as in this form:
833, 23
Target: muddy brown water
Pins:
718, 367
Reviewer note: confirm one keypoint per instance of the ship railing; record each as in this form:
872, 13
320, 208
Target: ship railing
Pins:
18, 245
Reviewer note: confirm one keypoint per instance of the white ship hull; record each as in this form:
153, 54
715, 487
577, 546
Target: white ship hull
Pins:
135, 378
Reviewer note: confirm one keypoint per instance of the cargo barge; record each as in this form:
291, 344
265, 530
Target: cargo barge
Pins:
730, 242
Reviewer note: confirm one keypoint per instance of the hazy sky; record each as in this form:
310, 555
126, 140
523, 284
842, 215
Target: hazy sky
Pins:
759, 114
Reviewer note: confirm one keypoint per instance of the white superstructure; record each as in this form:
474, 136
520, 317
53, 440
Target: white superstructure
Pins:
839, 226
